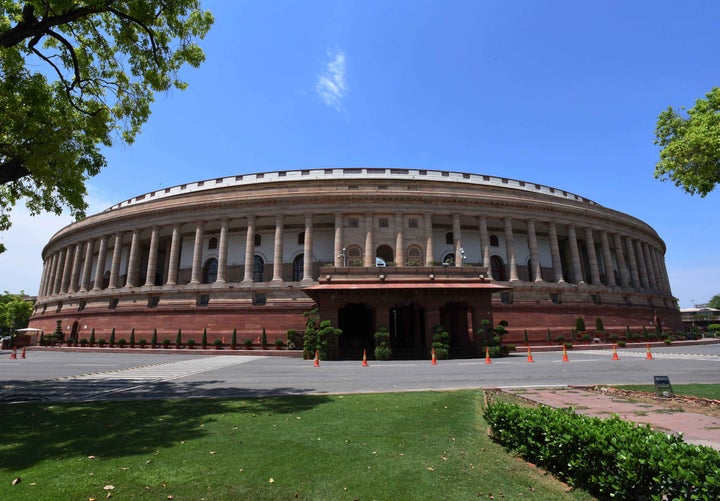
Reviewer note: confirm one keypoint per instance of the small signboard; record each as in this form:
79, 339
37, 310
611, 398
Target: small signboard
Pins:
663, 388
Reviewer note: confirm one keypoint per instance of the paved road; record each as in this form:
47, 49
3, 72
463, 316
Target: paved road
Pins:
73, 376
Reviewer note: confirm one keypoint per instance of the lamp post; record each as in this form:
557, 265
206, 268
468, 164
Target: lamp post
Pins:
343, 255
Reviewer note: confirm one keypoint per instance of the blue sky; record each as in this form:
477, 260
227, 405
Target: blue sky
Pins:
562, 93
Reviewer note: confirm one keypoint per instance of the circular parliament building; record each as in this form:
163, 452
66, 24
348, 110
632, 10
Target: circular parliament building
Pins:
405, 249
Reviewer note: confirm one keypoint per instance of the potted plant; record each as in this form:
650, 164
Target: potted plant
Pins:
132, 338
121, 342
248, 344
142, 343
382, 344
101, 343
191, 343
83, 342
204, 339
233, 339
263, 340
153, 340
279, 344
166, 343
218, 344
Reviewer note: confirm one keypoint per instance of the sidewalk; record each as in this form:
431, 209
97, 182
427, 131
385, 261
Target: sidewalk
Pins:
696, 428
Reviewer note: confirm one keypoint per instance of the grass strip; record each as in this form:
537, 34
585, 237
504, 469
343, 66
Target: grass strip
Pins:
424, 445
687, 390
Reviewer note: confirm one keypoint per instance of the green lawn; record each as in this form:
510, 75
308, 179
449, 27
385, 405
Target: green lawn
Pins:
688, 390
424, 445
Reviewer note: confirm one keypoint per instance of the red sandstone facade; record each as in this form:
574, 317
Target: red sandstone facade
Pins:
254, 252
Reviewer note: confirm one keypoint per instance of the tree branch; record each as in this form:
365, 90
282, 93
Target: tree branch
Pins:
12, 170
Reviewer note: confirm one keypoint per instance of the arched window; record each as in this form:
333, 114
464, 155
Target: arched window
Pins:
210, 271
354, 256
449, 239
414, 256
497, 267
258, 240
258, 269
494, 242
385, 253
212, 243
298, 268
301, 238
449, 259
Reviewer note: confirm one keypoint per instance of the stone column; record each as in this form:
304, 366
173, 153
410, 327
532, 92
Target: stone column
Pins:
87, 267
429, 252
222, 251
369, 255
399, 240
575, 256
607, 258
635, 276
555, 253
133, 268
152, 257
75, 274
43, 279
115, 264
485, 244
622, 265
67, 270
649, 265
457, 240
534, 253
50, 279
308, 249
250, 251
510, 249
592, 256
642, 268
278, 250
196, 276
174, 260
58, 271
340, 255
100, 265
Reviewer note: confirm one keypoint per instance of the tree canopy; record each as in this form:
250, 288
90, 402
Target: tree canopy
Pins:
715, 302
15, 311
76, 76
690, 145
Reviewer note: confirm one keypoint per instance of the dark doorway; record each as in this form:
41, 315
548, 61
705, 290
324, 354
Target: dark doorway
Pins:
454, 317
357, 322
407, 332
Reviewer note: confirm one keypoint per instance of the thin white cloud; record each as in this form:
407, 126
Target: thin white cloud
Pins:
331, 85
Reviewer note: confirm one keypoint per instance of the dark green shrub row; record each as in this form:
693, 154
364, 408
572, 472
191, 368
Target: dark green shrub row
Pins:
610, 458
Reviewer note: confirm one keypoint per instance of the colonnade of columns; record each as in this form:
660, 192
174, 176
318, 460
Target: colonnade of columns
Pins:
640, 265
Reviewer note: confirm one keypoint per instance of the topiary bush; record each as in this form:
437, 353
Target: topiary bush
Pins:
383, 351
441, 342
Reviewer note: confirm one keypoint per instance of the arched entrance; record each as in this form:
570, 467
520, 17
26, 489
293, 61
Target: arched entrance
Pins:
497, 266
357, 322
454, 317
407, 328
385, 253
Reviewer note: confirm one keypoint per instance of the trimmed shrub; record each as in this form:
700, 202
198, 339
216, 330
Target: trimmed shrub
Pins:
218, 344
610, 458
248, 344
580, 324
441, 342
233, 339
153, 341
263, 340
191, 343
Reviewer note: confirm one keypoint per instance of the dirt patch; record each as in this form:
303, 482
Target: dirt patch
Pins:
676, 403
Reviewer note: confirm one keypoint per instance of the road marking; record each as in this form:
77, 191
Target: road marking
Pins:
164, 371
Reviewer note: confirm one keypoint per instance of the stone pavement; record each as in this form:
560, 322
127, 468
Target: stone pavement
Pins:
696, 428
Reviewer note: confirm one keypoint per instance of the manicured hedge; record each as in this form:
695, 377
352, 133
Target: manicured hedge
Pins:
610, 458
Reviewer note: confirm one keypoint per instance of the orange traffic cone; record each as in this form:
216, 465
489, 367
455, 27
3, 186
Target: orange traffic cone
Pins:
565, 357
316, 362
615, 355
13, 355
364, 362
434, 358
23, 353
648, 355
487, 356
530, 358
